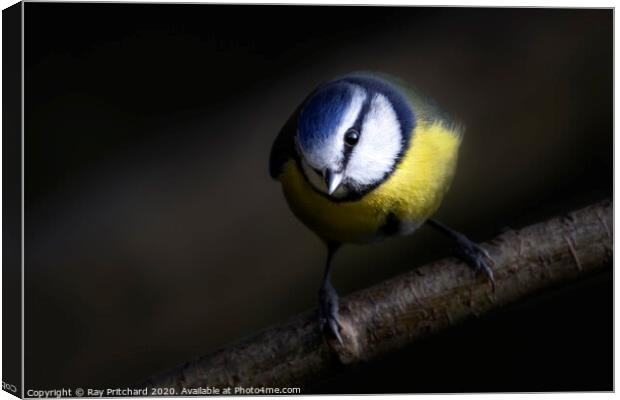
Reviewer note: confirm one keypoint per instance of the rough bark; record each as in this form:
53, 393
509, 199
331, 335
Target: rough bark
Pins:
408, 307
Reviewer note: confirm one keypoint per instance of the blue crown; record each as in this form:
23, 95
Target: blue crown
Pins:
322, 113
323, 110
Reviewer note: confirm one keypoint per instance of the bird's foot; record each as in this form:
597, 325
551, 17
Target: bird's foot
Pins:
328, 311
475, 256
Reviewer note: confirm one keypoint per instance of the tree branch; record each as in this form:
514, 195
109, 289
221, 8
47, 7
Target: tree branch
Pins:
416, 304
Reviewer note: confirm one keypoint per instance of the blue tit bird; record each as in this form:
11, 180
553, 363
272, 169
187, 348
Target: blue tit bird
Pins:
365, 157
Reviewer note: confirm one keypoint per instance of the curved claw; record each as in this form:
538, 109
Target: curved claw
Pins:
484, 251
330, 325
328, 312
335, 327
486, 268
476, 257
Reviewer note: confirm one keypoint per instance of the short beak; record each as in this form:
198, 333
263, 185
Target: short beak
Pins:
332, 180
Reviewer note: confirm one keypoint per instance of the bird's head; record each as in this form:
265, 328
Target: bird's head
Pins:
351, 133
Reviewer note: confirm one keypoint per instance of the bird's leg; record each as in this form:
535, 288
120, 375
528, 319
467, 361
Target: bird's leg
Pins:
468, 251
328, 298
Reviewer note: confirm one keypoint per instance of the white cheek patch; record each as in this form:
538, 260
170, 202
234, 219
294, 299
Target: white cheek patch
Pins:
328, 153
379, 144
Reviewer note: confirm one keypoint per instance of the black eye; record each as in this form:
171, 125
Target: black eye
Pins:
351, 137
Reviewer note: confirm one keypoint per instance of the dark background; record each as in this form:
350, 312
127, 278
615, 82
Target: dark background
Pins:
154, 234
11, 199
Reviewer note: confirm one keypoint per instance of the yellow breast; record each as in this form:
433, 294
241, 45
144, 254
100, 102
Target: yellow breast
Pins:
412, 193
